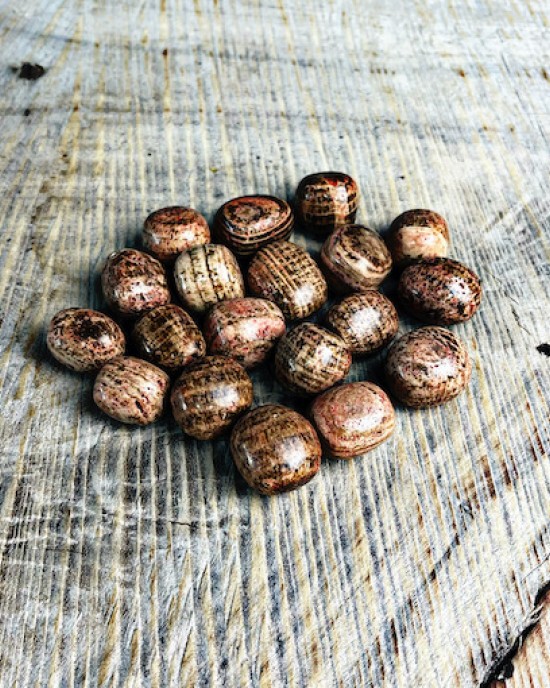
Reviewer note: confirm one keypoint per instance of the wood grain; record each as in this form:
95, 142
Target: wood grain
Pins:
135, 557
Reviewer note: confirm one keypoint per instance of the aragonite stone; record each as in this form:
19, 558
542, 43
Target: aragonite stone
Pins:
131, 390
134, 282
417, 234
209, 395
83, 339
352, 419
286, 274
427, 366
245, 329
168, 337
248, 223
310, 359
440, 291
167, 232
366, 321
275, 449
207, 274
325, 201
355, 258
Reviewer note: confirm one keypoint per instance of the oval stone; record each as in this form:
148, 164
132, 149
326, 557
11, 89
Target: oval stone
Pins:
427, 366
440, 291
275, 449
248, 223
352, 419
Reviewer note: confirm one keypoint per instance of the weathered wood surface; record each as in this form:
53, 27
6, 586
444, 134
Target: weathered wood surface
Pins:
132, 557
529, 666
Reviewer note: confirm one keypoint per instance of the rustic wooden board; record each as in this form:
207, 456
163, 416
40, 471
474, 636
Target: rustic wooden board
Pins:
529, 664
135, 557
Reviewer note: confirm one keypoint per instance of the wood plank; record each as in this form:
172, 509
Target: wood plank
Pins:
135, 557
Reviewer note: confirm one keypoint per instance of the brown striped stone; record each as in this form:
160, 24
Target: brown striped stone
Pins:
355, 258
245, 329
207, 274
209, 395
134, 282
417, 234
352, 419
168, 337
286, 274
83, 339
326, 201
275, 449
310, 359
440, 291
248, 223
131, 390
366, 321
427, 366
167, 232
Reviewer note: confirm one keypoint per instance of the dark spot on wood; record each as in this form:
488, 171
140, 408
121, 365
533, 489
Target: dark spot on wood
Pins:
26, 112
165, 52
461, 73
503, 667
31, 72
75, 107
544, 349
544, 74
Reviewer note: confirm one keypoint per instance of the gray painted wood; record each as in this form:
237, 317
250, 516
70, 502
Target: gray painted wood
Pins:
133, 557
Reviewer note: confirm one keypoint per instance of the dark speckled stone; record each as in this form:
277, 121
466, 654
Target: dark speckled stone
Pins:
275, 449
134, 282
83, 339
427, 366
285, 273
440, 291
167, 232
366, 321
168, 337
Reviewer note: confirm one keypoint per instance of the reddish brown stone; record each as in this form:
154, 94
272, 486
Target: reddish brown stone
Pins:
417, 234
170, 231
352, 419
440, 291
275, 449
310, 359
355, 258
366, 321
245, 329
248, 223
286, 274
427, 366
168, 337
134, 282
131, 390
83, 339
326, 201
209, 395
